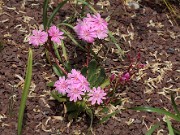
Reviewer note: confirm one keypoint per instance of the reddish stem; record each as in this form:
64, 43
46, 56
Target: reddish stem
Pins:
50, 49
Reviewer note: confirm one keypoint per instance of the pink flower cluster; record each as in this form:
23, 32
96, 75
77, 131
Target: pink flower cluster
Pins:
39, 37
76, 85
91, 27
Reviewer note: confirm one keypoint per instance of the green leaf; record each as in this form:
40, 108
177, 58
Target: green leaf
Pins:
84, 71
45, 19
171, 132
174, 105
90, 114
101, 78
58, 97
25, 91
68, 66
55, 47
64, 51
73, 115
92, 67
71, 107
152, 129
104, 110
87, 4
112, 38
157, 110
104, 119
78, 106
105, 83
66, 24
50, 84
47, 56
60, 5
57, 71
73, 39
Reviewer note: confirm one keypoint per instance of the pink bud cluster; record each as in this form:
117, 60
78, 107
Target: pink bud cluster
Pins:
91, 27
39, 37
76, 86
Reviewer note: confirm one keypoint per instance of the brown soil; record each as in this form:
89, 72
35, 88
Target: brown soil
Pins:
147, 30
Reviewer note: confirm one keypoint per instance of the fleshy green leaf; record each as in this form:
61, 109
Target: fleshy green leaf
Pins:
47, 56
45, 19
171, 132
157, 110
25, 91
64, 51
105, 83
101, 78
60, 5
152, 129
92, 67
84, 71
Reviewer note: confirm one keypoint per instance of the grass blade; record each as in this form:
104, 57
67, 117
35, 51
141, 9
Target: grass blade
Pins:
174, 105
152, 129
57, 71
55, 12
66, 24
171, 132
27, 84
112, 38
45, 19
87, 4
104, 119
157, 110
73, 40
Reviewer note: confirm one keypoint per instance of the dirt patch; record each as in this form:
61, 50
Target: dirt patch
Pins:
145, 30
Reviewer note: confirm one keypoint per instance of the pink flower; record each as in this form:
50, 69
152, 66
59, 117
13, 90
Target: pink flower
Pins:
125, 77
75, 93
99, 22
101, 34
96, 95
84, 31
91, 27
75, 78
56, 34
61, 85
39, 37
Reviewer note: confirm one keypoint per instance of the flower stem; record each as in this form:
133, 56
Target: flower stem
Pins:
50, 49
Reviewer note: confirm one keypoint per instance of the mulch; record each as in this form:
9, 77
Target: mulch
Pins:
148, 30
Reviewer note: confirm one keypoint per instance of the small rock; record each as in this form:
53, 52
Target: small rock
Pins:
170, 50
